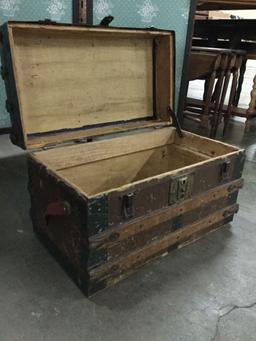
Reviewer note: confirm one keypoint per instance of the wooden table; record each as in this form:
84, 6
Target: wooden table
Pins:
232, 34
225, 4
233, 30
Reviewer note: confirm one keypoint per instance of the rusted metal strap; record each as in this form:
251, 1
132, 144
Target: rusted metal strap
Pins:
163, 215
139, 257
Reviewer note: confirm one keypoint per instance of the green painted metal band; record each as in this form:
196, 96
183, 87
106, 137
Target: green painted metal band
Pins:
97, 220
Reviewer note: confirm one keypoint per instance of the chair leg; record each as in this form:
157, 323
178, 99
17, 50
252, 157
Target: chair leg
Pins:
232, 63
223, 96
231, 101
233, 92
209, 93
228, 63
217, 94
209, 84
240, 82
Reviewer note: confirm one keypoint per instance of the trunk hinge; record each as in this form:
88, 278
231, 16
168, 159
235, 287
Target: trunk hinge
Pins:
176, 121
47, 22
63, 144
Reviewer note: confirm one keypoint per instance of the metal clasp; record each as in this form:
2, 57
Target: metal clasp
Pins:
181, 188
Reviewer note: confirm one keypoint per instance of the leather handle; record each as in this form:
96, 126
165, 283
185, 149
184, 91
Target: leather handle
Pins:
58, 209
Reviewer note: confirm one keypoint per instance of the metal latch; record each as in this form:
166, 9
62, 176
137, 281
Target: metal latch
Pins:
225, 171
128, 205
181, 188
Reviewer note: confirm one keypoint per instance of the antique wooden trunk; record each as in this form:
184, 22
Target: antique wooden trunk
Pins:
112, 183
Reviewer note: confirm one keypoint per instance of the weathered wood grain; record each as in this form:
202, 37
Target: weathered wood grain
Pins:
92, 29
204, 145
70, 156
132, 159
114, 271
75, 78
165, 78
129, 168
128, 198
51, 140
116, 249
124, 231
54, 72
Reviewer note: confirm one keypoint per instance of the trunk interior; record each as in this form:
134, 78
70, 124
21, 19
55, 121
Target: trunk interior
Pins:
103, 166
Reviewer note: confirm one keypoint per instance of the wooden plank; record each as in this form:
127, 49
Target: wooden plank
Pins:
204, 145
59, 159
53, 86
71, 81
225, 5
152, 194
17, 85
127, 169
116, 250
137, 184
119, 244
141, 225
38, 141
69, 156
96, 29
164, 76
118, 269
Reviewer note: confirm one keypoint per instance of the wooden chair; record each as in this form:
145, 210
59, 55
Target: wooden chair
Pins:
204, 66
213, 108
227, 65
234, 69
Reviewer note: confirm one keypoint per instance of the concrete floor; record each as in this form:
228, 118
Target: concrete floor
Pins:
204, 292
